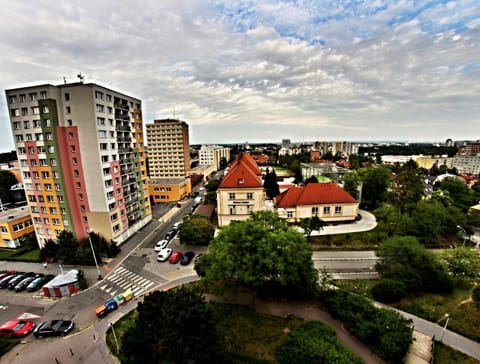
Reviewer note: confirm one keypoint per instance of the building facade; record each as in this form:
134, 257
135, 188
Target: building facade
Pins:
241, 191
327, 201
81, 153
213, 155
14, 225
168, 160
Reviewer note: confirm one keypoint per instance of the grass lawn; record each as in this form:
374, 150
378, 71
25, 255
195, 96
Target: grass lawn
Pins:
367, 240
446, 355
19, 255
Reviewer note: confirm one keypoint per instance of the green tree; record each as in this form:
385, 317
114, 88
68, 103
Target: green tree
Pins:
82, 280
270, 184
389, 290
311, 224
311, 179
351, 183
49, 251
314, 342
407, 186
406, 260
197, 230
374, 186
7, 180
30, 242
461, 195
462, 262
172, 327
67, 247
259, 250
389, 219
476, 296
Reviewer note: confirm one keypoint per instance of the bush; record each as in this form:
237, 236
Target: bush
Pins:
383, 331
389, 290
476, 296
314, 342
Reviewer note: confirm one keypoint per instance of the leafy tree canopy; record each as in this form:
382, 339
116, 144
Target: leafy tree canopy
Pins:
196, 229
258, 250
462, 262
7, 180
173, 327
270, 184
351, 182
374, 187
406, 260
311, 224
407, 186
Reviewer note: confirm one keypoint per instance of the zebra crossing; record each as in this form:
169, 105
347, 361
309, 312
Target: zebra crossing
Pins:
122, 279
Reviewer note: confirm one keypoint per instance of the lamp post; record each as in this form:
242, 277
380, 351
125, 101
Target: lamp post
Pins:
94, 256
463, 232
114, 336
445, 327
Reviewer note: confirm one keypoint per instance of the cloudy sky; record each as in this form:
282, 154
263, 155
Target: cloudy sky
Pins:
240, 71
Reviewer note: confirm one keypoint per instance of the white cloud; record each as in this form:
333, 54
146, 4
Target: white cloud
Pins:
374, 70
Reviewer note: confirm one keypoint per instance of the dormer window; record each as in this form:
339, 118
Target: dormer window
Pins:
241, 181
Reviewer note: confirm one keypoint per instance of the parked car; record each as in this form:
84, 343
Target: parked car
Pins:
22, 285
164, 254
54, 328
39, 282
170, 235
177, 225
175, 257
16, 280
160, 245
5, 273
4, 281
187, 258
17, 328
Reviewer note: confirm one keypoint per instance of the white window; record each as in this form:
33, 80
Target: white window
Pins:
100, 108
100, 121
326, 210
12, 99
48, 122
24, 111
68, 110
231, 196
35, 110
43, 95
23, 98
314, 211
45, 108
99, 95
15, 112
289, 214
338, 209
232, 210
33, 96
102, 134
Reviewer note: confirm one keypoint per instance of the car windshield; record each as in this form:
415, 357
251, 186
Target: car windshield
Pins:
19, 326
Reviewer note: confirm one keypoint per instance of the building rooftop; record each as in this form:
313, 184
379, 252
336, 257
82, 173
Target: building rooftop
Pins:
243, 173
313, 194
15, 213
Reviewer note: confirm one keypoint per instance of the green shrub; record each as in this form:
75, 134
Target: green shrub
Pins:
476, 296
383, 331
314, 342
389, 290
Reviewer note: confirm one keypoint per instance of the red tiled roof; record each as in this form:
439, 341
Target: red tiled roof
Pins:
243, 172
314, 194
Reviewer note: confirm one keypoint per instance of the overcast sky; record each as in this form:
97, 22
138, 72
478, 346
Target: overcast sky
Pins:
254, 71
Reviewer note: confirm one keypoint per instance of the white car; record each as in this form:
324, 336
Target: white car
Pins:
160, 245
164, 254
177, 225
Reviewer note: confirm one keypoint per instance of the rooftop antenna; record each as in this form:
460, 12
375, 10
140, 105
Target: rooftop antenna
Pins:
80, 77
64, 80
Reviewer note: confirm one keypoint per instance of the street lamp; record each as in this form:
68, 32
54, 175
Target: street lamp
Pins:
114, 336
94, 256
464, 233
445, 327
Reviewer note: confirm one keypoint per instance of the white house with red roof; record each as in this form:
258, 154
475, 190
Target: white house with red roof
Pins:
328, 201
241, 191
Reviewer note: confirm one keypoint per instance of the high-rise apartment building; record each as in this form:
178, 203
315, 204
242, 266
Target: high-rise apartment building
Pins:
168, 160
213, 155
168, 149
81, 153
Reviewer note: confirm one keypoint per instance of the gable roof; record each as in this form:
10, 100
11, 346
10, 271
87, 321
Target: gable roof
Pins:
314, 194
243, 172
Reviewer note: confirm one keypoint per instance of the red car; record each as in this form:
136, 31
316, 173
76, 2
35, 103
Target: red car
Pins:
175, 257
18, 328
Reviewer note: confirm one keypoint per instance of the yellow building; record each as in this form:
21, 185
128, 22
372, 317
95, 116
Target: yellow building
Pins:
163, 190
14, 225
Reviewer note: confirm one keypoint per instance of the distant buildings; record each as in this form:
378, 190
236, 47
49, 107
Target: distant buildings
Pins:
81, 153
213, 155
168, 160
